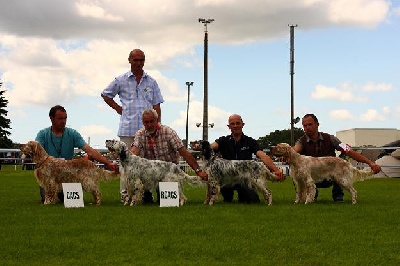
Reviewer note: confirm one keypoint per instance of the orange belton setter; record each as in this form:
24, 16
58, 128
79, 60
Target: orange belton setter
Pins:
51, 172
307, 170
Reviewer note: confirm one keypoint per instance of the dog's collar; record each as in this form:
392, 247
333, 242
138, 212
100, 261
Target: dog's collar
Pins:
40, 164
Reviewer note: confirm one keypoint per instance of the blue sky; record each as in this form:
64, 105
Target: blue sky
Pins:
347, 62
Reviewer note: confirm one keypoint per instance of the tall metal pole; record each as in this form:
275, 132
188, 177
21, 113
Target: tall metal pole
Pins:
291, 83
187, 113
205, 101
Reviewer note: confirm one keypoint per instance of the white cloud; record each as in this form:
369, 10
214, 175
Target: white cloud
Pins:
341, 114
215, 115
396, 11
371, 115
94, 132
93, 11
366, 12
345, 95
371, 86
386, 110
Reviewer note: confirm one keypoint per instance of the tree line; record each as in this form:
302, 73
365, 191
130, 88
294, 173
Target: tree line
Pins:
5, 142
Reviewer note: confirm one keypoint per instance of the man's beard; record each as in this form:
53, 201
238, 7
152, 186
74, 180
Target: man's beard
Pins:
151, 131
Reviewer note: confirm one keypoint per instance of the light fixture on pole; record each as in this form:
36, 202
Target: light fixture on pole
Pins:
188, 83
205, 103
209, 125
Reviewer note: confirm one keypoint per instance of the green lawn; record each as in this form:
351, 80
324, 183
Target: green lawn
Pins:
195, 234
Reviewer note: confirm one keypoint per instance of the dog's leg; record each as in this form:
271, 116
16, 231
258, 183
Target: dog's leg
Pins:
310, 190
50, 194
213, 190
300, 187
349, 187
135, 191
353, 193
97, 196
182, 197
91, 187
261, 186
208, 194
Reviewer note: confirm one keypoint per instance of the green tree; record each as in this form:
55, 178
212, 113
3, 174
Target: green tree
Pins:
279, 136
5, 142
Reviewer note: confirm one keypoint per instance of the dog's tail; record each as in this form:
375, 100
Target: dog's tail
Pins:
363, 174
107, 175
193, 180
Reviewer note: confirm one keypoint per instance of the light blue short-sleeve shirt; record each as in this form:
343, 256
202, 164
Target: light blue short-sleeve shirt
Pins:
135, 98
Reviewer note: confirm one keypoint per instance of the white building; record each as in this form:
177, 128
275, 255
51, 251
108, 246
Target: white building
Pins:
357, 137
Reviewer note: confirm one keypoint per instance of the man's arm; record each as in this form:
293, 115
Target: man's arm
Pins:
362, 159
192, 163
214, 146
112, 104
135, 150
297, 147
100, 158
269, 163
157, 107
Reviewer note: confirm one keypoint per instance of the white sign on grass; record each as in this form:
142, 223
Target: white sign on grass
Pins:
169, 194
73, 195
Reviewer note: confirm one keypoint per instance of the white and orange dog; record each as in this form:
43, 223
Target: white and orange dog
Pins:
306, 171
51, 172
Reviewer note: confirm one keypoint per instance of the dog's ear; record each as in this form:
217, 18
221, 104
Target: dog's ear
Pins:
206, 149
205, 144
122, 153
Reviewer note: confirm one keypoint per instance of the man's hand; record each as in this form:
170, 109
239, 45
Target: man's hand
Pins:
375, 168
203, 175
113, 167
280, 175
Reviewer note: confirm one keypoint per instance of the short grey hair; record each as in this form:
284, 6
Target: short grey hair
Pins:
149, 112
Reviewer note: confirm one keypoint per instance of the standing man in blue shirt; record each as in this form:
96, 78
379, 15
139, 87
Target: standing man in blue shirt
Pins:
137, 92
59, 141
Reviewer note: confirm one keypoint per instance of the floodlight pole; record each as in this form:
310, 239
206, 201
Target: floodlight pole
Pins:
291, 83
205, 102
187, 113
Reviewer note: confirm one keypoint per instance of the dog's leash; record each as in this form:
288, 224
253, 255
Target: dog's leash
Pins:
40, 164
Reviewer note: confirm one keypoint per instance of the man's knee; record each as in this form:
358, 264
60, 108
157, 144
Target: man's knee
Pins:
227, 193
324, 183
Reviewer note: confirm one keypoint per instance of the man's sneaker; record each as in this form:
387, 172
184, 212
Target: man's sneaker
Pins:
339, 200
147, 197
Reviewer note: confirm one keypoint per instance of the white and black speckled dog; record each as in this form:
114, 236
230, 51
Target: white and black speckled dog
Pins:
222, 172
142, 174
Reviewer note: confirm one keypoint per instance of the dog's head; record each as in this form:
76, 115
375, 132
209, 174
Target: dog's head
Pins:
30, 147
117, 147
281, 150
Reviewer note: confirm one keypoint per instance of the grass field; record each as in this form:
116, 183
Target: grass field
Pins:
195, 234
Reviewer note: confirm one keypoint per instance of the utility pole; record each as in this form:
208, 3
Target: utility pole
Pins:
292, 120
205, 101
188, 83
